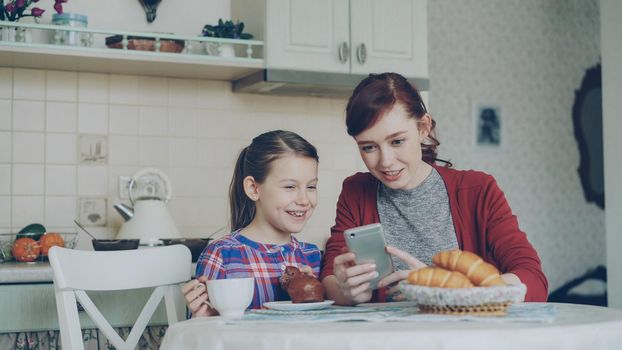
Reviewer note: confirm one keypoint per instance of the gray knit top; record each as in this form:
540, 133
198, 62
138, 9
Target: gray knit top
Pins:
417, 221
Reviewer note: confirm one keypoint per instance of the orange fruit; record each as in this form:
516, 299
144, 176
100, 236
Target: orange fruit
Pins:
49, 240
25, 249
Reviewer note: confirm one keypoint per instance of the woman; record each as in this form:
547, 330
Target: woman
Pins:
424, 208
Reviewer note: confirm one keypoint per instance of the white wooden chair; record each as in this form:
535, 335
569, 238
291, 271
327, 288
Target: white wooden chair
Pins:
77, 271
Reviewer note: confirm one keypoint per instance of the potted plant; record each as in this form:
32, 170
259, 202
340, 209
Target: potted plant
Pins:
15, 10
12, 11
224, 29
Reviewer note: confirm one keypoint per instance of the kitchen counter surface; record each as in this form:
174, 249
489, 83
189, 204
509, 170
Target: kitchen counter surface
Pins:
36, 272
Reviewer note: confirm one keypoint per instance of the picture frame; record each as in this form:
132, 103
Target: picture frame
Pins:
487, 125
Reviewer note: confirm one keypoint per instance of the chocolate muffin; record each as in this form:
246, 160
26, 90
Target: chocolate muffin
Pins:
301, 287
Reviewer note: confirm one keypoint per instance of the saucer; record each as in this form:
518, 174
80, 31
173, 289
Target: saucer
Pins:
289, 306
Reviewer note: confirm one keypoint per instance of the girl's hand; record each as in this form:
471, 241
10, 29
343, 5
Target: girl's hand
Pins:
412, 262
195, 294
353, 280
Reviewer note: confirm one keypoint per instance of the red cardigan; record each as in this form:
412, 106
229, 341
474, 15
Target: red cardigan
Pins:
483, 221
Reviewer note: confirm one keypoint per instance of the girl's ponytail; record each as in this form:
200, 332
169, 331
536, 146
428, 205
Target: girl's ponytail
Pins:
242, 207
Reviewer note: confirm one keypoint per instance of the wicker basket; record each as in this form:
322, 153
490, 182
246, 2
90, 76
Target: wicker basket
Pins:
145, 44
480, 301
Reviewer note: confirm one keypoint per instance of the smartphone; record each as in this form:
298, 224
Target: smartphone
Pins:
368, 244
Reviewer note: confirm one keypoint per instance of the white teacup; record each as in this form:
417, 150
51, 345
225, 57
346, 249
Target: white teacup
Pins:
230, 297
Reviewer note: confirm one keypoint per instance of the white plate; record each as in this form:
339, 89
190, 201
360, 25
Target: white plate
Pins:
289, 306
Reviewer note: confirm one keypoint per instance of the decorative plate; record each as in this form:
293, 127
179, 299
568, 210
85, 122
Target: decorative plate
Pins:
476, 300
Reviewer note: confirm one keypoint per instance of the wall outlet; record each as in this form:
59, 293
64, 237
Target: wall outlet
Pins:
124, 181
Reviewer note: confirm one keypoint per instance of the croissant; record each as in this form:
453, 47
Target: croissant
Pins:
438, 277
477, 270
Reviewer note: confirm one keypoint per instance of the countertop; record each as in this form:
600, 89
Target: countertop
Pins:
35, 272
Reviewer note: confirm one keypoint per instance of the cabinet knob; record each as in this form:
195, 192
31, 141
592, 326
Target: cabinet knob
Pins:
361, 54
343, 52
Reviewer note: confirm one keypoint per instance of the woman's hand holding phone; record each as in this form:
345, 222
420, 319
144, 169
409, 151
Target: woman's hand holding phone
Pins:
354, 280
413, 264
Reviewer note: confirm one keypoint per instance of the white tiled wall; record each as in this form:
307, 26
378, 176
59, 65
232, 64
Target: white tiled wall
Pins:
190, 129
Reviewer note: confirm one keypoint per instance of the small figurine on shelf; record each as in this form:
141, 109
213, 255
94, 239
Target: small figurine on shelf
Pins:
150, 7
227, 30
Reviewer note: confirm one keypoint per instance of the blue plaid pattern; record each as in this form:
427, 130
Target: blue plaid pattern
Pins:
235, 256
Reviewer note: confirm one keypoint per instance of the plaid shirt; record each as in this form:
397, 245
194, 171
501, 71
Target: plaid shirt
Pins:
235, 256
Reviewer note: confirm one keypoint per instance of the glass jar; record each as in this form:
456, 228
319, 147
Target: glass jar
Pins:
69, 37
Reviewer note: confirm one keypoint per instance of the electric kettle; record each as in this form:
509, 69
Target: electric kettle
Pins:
149, 219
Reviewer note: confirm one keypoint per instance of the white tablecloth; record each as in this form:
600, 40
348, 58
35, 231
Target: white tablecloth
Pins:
573, 327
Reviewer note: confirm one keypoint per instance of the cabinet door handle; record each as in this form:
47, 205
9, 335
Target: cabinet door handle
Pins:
343, 52
361, 54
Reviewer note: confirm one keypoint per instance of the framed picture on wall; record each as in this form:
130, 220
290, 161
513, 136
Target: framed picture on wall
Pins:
488, 125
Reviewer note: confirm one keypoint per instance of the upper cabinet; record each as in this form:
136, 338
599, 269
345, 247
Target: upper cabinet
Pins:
340, 36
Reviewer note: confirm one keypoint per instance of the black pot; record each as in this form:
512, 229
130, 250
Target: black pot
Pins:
115, 244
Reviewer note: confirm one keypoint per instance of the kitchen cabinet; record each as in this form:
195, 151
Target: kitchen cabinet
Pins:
340, 36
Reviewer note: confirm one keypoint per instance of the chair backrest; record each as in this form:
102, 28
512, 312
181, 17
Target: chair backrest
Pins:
77, 271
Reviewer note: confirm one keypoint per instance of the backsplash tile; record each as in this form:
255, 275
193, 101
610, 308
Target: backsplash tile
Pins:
28, 147
28, 115
61, 117
183, 122
29, 84
6, 146
6, 83
123, 150
5, 214
60, 180
26, 210
182, 93
92, 118
153, 91
61, 149
153, 121
124, 89
5, 179
6, 113
124, 120
182, 152
62, 86
153, 151
60, 211
93, 88
92, 180
28, 179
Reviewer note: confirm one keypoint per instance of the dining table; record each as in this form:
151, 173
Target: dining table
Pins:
401, 326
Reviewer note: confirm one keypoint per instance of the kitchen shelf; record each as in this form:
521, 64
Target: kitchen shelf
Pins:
38, 53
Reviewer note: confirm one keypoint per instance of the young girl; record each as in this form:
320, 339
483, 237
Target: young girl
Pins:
272, 195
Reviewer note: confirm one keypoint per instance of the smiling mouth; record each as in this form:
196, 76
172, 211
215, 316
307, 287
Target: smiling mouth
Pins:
392, 173
296, 213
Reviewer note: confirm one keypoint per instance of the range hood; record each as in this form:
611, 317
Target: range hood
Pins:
305, 83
